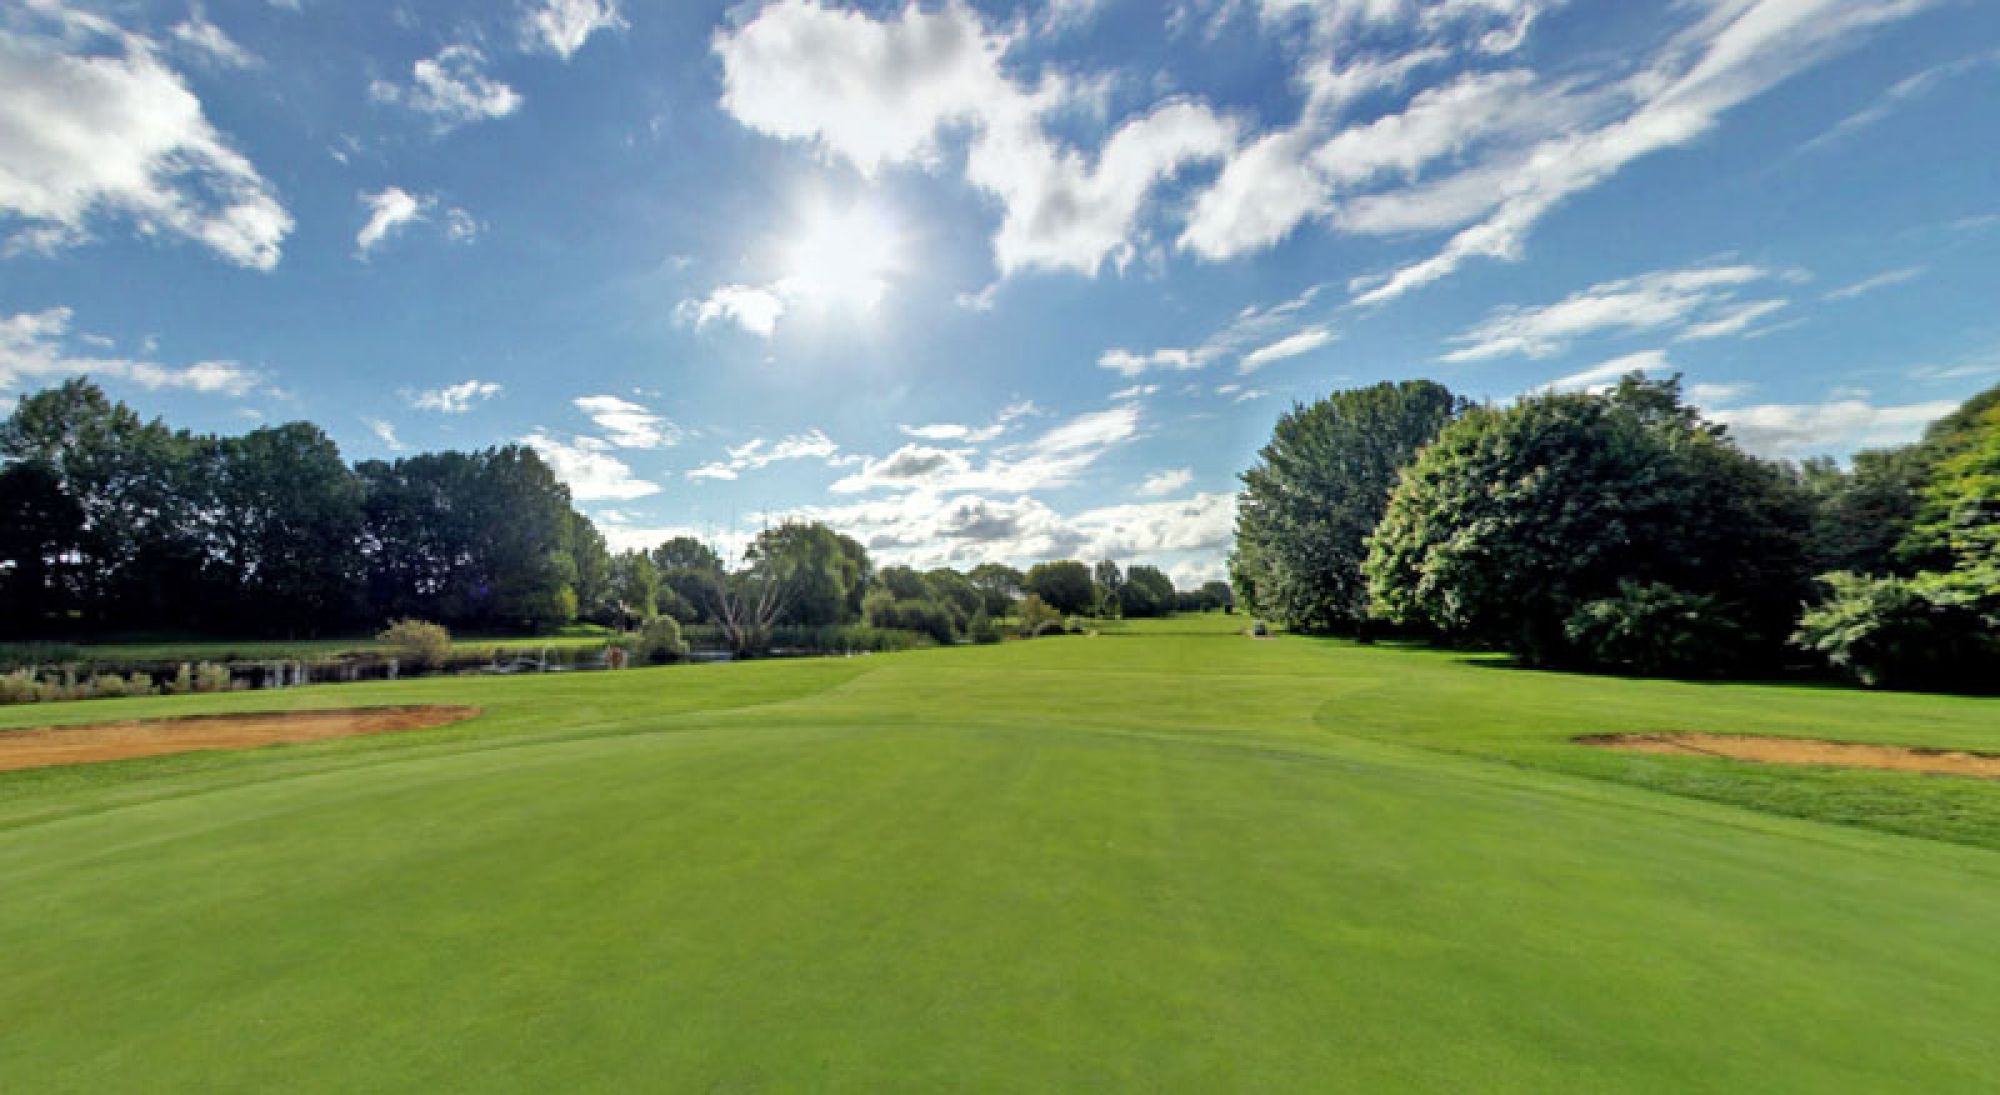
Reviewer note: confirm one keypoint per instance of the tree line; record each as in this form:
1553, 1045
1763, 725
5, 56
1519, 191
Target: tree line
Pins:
1621, 530
112, 524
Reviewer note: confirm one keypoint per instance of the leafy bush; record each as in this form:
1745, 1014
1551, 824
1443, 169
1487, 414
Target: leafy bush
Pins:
1037, 617
982, 629
927, 617
1892, 632
846, 639
658, 640
1656, 629
426, 644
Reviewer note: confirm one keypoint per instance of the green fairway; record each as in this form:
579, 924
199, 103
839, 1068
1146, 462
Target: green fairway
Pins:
1164, 857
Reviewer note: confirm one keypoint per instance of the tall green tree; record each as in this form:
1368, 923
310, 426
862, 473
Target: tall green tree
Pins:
287, 518
1516, 521
1318, 489
1000, 585
1064, 585
818, 568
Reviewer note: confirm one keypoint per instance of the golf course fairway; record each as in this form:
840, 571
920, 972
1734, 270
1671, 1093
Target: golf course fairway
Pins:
1165, 857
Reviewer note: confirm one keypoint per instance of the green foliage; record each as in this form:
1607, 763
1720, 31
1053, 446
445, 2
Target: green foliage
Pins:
1147, 591
883, 609
1038, 617
982, 629
1957, 528
634, 588
999, 585
422, 643
820, 571
1895, 633
1318, 488
1516, 518
903, 583
1861, 516
1656, 630
1065, 586
657, 640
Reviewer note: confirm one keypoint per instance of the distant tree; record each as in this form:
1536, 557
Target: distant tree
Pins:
1038, 617
1318, 489
1861, 516
1110, 584
1064, 585
904, 583
957, 592
999, 585
1219, 595
686, 553
818, 568
1146, 591
635, 589
39, 525
688, 569
590, 560
286, 517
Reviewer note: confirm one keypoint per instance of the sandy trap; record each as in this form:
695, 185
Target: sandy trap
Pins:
48, 746
1843, 754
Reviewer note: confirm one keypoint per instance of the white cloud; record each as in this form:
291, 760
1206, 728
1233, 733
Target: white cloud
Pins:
385, 433
954, 431
208, 41
1127, 363
461, 226
1701, 301
1135, 391
1838, 425
33, 350
759, 453
1900, 94
1252, 331
591, 473
1600, 378
1735, 51
1710, 395
455, 398
1162, 483
563, 26
388, 211
756, 310
1304, 342
453, 88
93, 124
883, 92
1880, 281
1053, 459
629, 425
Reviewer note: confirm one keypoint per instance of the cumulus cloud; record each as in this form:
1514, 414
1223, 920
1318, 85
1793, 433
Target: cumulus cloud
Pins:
1054, 458
1162, 483
883, 92
35, 349
94, 126
452, 88
563, 26
629, 425
591, 473
455, 398
753, 308
1699, 302
1838, 425
388, 211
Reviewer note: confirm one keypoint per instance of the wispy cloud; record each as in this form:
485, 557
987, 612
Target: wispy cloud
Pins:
454, 398
1879, 281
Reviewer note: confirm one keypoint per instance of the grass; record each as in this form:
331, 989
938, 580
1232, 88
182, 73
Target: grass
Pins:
172, 649
1163, 857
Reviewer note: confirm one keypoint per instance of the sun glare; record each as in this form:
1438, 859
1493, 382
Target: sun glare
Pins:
843, 259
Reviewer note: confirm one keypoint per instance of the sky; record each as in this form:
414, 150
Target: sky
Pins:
988, 281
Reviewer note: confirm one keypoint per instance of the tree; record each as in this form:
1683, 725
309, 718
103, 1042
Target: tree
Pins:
1147, 591
1861, 516
1956, 532
1220, 595
1064, 585
635, 589
904, 583
686, 553
1109, 582
1517, 518
999, 585
687, 569
955, 591
39, 523
1318, 489
287, 516
818, 567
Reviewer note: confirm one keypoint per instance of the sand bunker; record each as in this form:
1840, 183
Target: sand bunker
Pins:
53, 745
1894, 758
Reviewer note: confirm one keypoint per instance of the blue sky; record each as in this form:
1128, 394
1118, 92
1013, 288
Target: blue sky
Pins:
989, 281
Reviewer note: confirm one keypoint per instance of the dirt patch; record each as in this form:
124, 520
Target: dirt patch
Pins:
1843, 754
48, 746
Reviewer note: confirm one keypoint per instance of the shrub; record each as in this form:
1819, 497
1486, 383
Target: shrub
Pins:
1658, 630
210, 677
426, 644
657, 640
1037, 616
926, 617
1892, 632
982, 629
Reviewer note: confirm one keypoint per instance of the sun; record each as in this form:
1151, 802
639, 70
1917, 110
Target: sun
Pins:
844, 259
